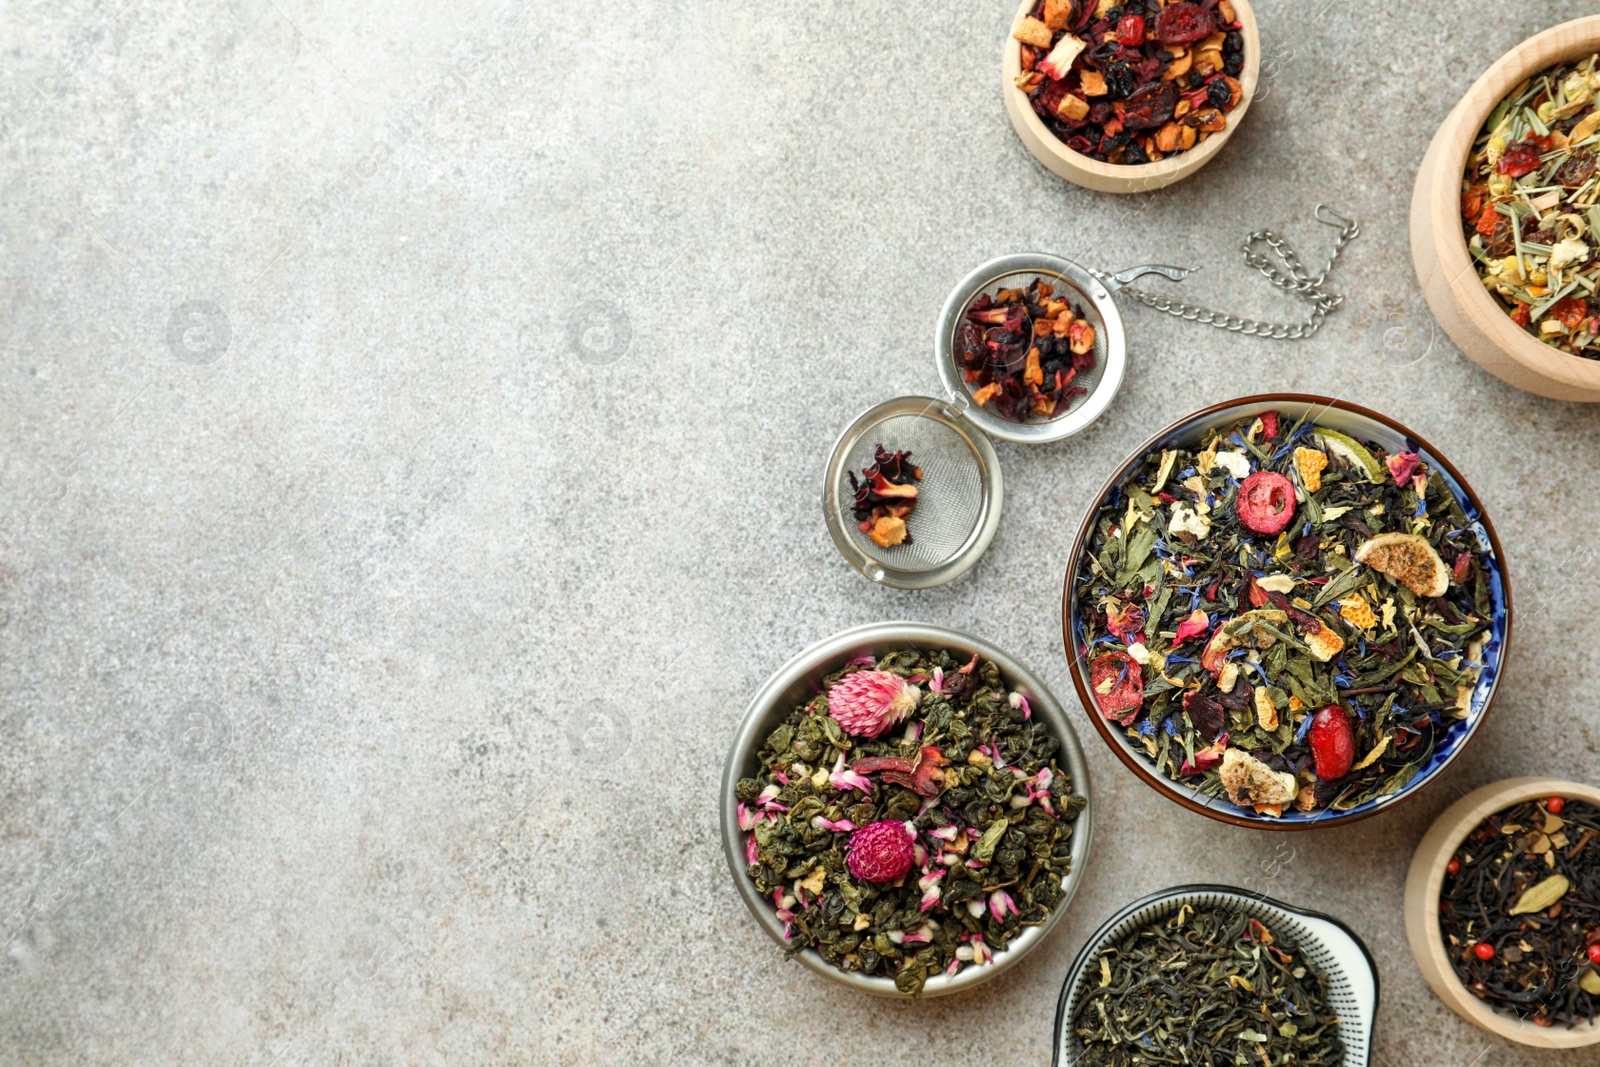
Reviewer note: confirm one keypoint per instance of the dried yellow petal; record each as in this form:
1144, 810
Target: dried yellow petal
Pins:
1371, 757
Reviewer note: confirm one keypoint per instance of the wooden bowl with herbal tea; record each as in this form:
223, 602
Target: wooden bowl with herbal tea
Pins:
1205, 974
904, 810
1505, 231
1502, 907
1131, 96
1286, 611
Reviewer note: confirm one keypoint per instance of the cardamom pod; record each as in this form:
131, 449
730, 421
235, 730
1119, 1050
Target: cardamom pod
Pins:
1590, 981
1541, 895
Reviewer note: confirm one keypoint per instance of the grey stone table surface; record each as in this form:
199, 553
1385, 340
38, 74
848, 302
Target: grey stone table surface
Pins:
414, 416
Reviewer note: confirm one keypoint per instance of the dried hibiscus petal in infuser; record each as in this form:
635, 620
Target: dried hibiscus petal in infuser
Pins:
885, 495
1023, 350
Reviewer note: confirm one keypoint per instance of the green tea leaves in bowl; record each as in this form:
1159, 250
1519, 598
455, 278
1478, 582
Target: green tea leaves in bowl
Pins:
1210, 986
911, 819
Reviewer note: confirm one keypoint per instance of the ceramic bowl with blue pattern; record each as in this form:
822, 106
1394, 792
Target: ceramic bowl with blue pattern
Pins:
1363, 425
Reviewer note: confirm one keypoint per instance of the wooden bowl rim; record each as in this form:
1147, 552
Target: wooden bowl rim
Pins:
1459, 130
1147, 772
1425, 879
1162, 171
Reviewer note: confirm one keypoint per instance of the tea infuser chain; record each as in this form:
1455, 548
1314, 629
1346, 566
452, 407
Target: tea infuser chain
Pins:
1296, 281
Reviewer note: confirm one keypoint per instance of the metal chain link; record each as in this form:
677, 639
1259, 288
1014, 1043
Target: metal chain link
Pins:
1296, 281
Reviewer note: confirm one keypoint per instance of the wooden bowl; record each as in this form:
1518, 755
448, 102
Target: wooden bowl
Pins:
1426, 879
1110, 177
1473, 319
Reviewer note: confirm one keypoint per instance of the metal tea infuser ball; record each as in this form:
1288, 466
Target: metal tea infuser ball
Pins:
960, 493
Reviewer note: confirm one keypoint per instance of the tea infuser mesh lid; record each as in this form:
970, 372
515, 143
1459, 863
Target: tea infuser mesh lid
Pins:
958, 502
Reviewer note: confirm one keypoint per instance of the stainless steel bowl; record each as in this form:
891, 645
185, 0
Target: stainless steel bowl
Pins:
800, 679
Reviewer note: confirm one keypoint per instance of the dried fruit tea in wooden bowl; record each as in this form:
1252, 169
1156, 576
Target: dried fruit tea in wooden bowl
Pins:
1125, 97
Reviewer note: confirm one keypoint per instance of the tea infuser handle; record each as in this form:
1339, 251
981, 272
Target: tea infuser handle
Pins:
1116, 281
1292, 276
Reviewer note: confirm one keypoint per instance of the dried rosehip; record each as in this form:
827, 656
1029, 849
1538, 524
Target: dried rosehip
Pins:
1266, 502
1333, 742
1130, 31
1151, 105
1569, 311
1522, 158
1184, 23
1118, 686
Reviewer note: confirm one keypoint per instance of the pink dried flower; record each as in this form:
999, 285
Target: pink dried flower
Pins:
880, 852
868, 703
1196, 624
1017, 700
1001, 905
1205, 758
1402, 465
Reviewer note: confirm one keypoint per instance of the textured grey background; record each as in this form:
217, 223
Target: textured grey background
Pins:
365, 679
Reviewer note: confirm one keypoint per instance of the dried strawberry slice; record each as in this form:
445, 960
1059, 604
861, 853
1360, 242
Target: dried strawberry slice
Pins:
1184, 23
1118, 686
1266, 502
1333, 742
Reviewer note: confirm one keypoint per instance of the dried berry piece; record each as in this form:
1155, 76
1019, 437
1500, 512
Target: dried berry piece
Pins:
1266, 502
1150, 106
1118, 686
885, 496
1333, 742
1578, 168
1183, 24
